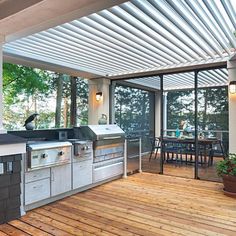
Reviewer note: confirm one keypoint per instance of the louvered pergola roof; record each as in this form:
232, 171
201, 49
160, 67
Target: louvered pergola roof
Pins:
206, 78
140, 36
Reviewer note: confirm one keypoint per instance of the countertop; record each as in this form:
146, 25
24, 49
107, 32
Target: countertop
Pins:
10, 139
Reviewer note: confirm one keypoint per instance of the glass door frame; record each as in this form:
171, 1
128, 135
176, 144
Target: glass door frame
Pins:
196, 72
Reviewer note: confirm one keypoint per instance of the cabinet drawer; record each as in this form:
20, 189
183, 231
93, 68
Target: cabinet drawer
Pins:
37, 175
106, 172
36, 191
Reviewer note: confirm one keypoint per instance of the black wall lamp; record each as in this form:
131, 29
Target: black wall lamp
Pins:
98, 96
232, 87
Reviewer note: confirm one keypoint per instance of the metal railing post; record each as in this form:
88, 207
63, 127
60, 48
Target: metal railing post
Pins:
125, 160
140, 155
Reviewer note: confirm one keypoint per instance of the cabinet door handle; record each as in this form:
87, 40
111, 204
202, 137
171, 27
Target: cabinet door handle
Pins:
38, 186
52, 177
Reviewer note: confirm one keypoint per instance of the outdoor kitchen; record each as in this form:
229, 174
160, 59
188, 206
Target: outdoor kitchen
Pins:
58, 163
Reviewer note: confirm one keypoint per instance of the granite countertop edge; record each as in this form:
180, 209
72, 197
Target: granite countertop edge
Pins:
11, 139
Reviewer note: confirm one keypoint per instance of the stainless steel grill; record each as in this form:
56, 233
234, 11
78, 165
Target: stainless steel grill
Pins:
108, 150
83, 150
82, 160
46, 154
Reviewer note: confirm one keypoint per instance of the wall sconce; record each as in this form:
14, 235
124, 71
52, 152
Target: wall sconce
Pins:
232, 87
98, 96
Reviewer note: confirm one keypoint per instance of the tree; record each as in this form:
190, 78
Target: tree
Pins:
27, 90
59, 88
22, 87
73, 106
132, 108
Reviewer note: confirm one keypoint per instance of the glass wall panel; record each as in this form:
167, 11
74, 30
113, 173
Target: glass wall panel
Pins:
179, 125
213, 122
134, 113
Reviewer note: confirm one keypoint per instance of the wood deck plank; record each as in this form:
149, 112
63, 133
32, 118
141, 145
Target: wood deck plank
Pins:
210, 221
160, 221
143, 204
72, 222
173, 200
28, 228
100, 223
68, 230
12, 231
49, 228
201, 225
2, 234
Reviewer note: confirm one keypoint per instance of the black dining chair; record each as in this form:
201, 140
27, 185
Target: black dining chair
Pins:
156, 145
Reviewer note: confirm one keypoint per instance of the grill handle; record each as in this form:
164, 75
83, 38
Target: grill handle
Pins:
112, 137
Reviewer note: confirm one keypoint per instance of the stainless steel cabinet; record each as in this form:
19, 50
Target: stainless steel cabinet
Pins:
60, 179
37, 185
82, 173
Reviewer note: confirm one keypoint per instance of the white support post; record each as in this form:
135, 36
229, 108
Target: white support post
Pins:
157, 114
1, 91
165, 113
97, 108
112, 102
231, 65
125, 160
140, 155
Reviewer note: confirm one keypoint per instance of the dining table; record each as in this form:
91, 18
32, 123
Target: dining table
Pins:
186, 146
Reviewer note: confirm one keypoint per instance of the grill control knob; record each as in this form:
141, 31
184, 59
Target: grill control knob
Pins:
61, 153
44, 155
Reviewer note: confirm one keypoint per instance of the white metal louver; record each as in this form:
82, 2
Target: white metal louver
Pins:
208, 78
138, 36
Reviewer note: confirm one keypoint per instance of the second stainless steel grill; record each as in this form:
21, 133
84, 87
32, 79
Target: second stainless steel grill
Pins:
108, 149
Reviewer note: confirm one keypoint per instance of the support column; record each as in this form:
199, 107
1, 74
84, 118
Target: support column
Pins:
97, 108
1, 92
112, 102
231, 65
158, 113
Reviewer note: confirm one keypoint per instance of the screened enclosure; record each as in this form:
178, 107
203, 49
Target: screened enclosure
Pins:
194, 123
134, 113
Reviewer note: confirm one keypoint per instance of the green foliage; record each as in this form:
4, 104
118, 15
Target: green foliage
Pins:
227, 166
27, 90
21, 80
212, 108
82, 101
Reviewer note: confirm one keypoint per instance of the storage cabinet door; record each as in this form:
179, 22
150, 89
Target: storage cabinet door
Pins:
82, 174
36, 191
60, 179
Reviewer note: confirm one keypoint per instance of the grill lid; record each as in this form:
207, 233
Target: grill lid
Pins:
47, 145
103, 132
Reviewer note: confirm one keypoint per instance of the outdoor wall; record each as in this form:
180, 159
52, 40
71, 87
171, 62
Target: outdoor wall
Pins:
97, 108
232, 108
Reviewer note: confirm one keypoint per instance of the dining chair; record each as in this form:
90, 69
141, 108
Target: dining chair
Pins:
156, 145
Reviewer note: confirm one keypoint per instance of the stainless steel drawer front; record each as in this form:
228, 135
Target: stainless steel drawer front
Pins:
108, 171
37, 175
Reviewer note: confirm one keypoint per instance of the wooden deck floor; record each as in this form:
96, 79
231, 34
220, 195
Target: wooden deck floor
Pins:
143, 204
